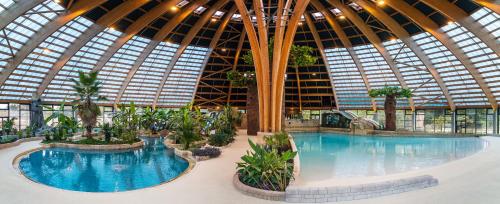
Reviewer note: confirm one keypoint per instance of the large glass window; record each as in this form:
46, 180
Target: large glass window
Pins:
434, 121
474, 121
404, 120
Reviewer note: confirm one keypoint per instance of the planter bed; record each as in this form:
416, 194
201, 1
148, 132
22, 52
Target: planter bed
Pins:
134, 145
19, 141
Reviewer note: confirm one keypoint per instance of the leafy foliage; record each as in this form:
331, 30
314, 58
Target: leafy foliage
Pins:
8, 126
187, 125
65, 125
302, 56
224, 125
266, 169
391, 91
278, 141
241, 78
148, 119
126, 123
106, 129
87, 88
211, 152
220, 139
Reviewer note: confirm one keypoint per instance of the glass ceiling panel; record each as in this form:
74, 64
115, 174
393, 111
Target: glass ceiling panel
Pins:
482, 57
490, 20
19, 31
151, 71
181, 82
84, 60
425, 89
5, 4
349, 85
27, 77
462, 87
377, 70
115, 71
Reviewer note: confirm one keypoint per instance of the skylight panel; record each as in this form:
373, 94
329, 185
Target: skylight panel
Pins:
318, 15
218, 14
200, 10
336, 11
4, 4
182, 3
236, 17
355, 6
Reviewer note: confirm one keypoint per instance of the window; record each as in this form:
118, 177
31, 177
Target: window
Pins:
434, 121
474, 121
404, 120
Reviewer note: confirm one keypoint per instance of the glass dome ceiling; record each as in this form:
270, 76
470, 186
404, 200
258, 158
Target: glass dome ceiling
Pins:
168, 53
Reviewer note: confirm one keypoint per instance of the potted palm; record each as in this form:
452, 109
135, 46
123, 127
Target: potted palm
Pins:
391, 93
87, 88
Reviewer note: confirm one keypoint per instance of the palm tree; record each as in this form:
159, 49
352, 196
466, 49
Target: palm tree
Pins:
391, 93
87, 88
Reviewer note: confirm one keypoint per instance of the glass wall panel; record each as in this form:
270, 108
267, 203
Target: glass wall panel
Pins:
434, 121
474, 121
404, 120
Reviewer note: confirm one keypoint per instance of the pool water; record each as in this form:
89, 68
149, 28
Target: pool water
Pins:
327, 155
104, 171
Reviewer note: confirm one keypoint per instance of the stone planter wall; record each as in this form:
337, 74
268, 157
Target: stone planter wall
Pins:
258, 193
97, 147
297, 194
19, 141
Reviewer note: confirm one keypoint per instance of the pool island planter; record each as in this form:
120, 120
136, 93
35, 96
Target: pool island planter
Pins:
19, 141
134, 145
257, 192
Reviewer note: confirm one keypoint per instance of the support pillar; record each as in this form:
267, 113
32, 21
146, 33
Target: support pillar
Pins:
454, 122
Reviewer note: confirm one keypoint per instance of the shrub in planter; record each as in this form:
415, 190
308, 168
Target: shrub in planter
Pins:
220, 139
211, 152
266, 169
106, 129
278, 141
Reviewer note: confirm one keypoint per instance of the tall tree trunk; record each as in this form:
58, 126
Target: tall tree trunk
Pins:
390, 112
252, 109
89, 131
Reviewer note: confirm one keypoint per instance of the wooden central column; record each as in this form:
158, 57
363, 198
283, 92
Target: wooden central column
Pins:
270, 105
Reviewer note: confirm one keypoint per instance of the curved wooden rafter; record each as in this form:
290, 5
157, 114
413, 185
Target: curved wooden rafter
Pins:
431, 27
347, 44
279, 81
374, 40
76, 10
207, 15
456, 14
105, 21
493, 5
321, 49
256, 51
134, 29
403, 35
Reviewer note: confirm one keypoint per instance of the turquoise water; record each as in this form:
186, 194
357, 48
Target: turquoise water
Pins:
101, 171
327, 155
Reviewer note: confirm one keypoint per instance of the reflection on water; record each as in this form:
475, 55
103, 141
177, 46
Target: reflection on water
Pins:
327, 155
98, 171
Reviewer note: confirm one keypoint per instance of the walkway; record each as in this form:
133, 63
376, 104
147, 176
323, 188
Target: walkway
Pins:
475, 179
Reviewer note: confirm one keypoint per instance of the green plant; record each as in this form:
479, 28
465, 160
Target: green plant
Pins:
186, 125
65, 125
8, 126
391, 93
266, 169
278, 141
87, 89
148, 119
106, 129
126, 123
220, 139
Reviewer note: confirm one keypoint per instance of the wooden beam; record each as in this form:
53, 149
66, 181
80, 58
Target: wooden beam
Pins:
235, 63
105, 21
458, 15
347, 44
279, 75
256, 51
321, 49
134, 29
374, 39
404, 36
493, 5
207, 15
431, 27
78, 9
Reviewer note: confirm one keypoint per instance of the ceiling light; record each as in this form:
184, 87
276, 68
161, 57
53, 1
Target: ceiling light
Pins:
223, 49
174, 8
380, 2
314, 74
392, 39
46, 50
57, 1
213, 19
450, 22
342, 17
300, 23
112, 28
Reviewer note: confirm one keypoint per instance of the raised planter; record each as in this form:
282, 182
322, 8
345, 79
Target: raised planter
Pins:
135, 145
19, 141
256, 192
